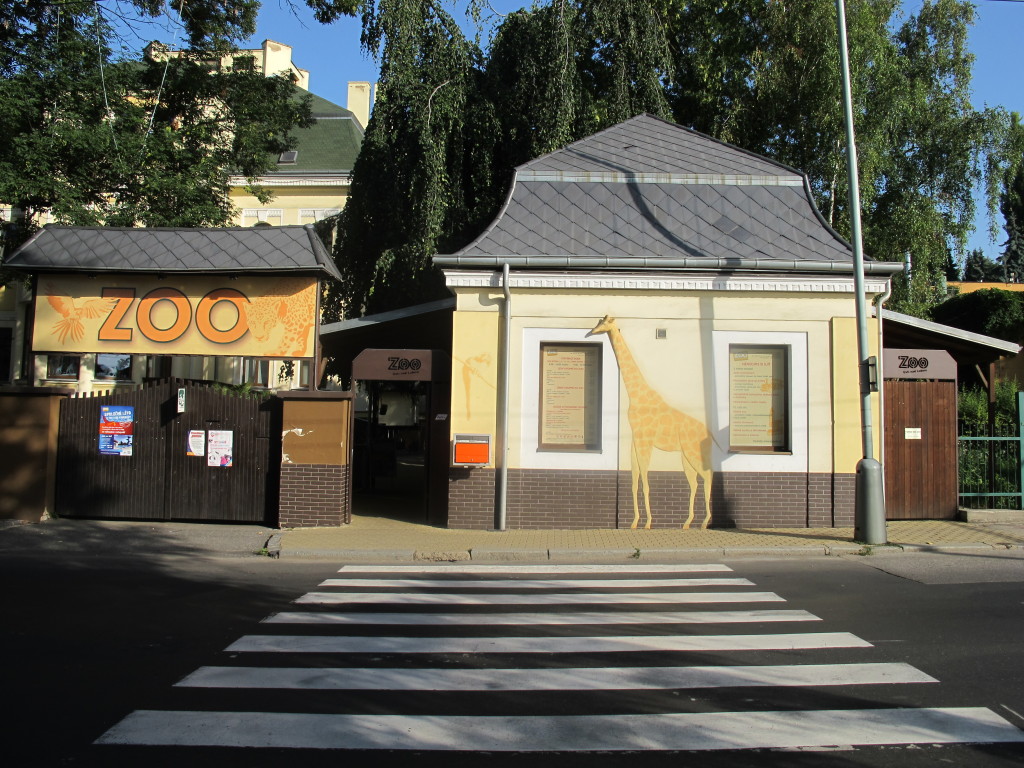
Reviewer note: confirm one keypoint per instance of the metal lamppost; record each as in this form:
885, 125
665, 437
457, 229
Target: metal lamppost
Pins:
869, 519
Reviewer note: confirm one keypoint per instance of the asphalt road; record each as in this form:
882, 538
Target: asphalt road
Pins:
89, 638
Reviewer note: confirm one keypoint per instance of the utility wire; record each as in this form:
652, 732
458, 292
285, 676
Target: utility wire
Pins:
163, 79
103, 77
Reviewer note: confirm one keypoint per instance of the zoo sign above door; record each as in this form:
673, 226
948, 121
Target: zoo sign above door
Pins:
189, 315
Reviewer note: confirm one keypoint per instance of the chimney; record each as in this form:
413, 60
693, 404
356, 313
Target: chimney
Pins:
359, 97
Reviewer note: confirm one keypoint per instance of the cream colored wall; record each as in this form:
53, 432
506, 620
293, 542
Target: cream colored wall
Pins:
8, 299
846, 401
475, 368
291, 200
679, 367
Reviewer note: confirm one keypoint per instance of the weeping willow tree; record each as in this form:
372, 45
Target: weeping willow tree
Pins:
450, 124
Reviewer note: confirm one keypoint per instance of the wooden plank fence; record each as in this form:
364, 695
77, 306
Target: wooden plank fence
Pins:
159, 480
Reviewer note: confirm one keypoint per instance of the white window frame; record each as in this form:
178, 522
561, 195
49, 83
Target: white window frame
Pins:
796, 459
261, 215
317, 214
530, 457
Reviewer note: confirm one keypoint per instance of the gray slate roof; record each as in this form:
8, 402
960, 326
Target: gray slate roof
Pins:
650, 194
196, 250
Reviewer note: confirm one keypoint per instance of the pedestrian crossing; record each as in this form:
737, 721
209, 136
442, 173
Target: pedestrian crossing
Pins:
518, 658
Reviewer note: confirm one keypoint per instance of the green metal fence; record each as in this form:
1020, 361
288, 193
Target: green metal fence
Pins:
990, 466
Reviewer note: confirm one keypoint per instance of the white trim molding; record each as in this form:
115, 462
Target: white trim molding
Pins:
461, 278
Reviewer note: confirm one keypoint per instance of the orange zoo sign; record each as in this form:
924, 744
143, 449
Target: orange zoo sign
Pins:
256, 316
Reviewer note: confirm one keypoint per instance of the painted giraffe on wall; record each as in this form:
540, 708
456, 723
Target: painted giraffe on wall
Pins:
656, 424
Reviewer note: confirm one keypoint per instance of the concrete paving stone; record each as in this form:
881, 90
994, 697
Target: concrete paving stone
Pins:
845, 549
352, 554
946, 547
805, 551
682, 553
447, 556
579, 553
508, 555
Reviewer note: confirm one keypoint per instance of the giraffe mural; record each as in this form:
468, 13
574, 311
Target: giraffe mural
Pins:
656, 424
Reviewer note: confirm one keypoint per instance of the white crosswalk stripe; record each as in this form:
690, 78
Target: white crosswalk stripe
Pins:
453, 629
352, 645
589, 733
570, 679
543, 598
610, 618
534, 584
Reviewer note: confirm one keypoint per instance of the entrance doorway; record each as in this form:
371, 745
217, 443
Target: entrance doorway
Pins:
389, 459
400, 445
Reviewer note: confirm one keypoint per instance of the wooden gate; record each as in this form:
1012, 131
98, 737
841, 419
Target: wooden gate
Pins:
160, 480
920, 450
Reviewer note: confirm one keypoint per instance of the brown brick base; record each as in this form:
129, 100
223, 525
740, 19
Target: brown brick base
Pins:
582, 499
314, 495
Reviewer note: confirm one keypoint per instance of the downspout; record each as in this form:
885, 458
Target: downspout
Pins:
880, 299
501, 454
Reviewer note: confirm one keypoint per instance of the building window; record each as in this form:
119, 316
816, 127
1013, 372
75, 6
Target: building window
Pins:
6, 350
62, 366
304, 369
771, 433
113, 367
570, 397
544, 398
313, 215
265, 216
759, 398
257, 373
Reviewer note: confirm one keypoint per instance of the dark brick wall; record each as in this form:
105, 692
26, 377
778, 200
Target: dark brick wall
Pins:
582, 499
314, 495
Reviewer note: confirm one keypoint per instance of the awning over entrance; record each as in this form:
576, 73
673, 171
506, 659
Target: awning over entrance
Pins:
422, 327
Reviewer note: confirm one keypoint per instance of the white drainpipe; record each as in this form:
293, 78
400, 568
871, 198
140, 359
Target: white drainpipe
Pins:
501, 452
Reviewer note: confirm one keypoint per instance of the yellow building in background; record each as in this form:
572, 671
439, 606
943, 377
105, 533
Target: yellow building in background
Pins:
309, 184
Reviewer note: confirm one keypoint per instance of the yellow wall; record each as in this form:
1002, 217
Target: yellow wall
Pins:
290, 201
8, 299
846, 400
680, 367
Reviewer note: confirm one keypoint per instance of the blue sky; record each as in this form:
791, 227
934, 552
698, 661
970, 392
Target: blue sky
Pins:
333, 57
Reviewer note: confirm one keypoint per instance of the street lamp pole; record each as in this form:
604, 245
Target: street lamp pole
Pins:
869, 517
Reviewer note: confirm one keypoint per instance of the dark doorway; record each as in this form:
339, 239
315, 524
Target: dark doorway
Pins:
401, 442
389, 460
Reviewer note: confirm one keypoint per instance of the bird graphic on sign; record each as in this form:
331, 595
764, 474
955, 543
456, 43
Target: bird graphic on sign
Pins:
73, 314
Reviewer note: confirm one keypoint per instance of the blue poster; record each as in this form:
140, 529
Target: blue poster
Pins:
117, 429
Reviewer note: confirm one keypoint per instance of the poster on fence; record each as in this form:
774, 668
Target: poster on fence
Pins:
117, 428
220, 448
196, 442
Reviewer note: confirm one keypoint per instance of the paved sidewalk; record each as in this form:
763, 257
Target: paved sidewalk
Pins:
383, 539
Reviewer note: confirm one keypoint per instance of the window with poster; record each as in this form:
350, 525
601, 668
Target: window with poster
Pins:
759, 400
570, 397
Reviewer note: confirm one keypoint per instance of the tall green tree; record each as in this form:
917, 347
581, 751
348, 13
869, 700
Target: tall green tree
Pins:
407, 191
1011, 205
92, 138
761, 75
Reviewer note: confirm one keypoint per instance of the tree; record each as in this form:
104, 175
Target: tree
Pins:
993, 312
763, 76
1012, 206
406, 184
979, 268
93, 139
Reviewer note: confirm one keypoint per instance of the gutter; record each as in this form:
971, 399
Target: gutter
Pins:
502, 447
654, 263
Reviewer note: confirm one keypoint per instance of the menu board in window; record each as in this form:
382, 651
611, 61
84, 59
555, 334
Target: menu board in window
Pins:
758, 398
570, 397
